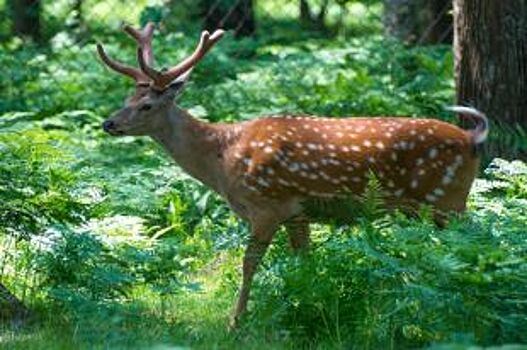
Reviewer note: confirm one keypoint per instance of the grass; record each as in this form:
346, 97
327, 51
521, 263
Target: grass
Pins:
113, 246
186, 319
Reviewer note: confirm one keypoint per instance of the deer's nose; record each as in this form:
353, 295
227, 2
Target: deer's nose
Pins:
108, 125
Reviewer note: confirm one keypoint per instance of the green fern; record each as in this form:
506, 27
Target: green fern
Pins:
372, 199
348, 208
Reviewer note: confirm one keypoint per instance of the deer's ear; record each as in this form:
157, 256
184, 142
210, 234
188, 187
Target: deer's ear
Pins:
177, 86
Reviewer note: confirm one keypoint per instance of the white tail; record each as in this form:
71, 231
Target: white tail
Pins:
268, 167
481, 131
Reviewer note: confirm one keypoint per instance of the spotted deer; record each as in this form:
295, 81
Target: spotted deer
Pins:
267, 168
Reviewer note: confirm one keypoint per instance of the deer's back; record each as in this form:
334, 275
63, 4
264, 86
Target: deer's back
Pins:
415, 160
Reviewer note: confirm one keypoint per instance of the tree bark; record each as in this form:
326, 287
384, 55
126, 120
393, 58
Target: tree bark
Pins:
26, 18
236, 15
321, 17
12, 309
78, 18
419, 21
305, 12
490, 44
311, 19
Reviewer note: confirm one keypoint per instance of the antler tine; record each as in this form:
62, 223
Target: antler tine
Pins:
133, 73
152, 73
206, 42
162, 79
144, 39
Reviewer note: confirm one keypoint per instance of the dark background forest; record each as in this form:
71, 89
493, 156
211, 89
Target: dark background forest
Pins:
105, 243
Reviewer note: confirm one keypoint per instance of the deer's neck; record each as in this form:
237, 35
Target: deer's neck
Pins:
196, 146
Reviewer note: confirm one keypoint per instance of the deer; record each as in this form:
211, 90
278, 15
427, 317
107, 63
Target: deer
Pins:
268, 167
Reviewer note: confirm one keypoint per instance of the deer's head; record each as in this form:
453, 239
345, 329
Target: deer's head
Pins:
155, 91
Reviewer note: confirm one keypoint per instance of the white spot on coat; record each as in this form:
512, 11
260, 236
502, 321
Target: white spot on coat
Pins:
263, 182
432, 153
252, 188
398, 193
431, 198
293, 167
446, 180
283, 182
439, 192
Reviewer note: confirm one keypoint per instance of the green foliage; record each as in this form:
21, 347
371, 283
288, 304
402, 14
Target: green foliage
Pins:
113, 246
349, 208
36, 187
405, 282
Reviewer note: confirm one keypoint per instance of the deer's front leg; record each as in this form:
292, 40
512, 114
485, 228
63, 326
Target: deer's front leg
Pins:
261, 236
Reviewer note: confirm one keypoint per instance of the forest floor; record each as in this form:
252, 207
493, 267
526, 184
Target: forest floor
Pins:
112, 246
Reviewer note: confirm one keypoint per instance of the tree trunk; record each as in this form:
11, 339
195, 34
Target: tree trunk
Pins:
419, 21
26, 18
490, 47
12, 309
78, 18
321, 17
311, 19
236, 15
305, 13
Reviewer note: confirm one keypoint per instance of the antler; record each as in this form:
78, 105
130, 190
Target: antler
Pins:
162, 79
144, 39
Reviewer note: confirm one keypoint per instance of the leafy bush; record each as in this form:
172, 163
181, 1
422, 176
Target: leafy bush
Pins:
36, 185
117, 247
395, 281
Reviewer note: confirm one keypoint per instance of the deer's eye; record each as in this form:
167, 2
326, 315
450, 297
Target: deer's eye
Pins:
145, 107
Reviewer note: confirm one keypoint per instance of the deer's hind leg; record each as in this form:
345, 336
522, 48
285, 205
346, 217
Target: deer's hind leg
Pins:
298, 231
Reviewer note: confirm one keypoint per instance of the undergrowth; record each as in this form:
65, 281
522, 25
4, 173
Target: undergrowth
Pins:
112, 246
